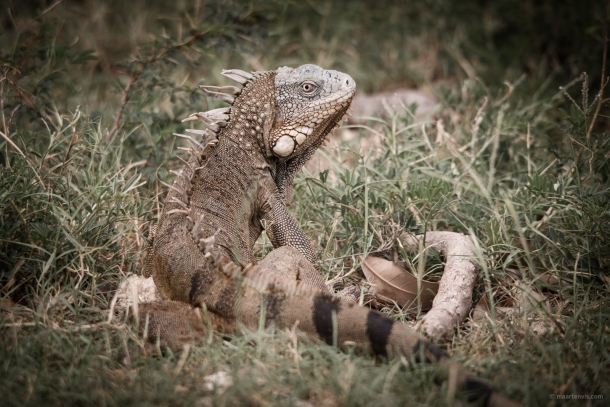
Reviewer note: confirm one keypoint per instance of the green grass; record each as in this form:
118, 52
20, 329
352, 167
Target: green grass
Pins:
514, 166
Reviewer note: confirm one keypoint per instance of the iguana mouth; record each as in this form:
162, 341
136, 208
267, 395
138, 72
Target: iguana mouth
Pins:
328, 126
316, 137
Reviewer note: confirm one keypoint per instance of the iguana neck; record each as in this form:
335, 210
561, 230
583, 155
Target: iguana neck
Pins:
252, 116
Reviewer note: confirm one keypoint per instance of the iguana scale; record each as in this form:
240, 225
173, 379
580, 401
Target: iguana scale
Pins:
237, 183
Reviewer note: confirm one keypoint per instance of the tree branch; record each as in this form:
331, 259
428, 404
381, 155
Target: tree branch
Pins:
136, 75
603, 81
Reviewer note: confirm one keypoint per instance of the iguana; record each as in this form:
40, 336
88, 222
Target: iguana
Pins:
237, 183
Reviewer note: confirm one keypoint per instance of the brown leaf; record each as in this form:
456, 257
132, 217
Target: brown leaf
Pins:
528, 299
394, 282
552, 280
481, 308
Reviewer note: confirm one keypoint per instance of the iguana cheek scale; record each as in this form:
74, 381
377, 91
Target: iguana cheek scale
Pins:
237, 183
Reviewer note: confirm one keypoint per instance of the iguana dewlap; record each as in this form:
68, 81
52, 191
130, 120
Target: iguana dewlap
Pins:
238, 183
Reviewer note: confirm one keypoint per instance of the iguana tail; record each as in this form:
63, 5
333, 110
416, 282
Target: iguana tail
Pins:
319, 315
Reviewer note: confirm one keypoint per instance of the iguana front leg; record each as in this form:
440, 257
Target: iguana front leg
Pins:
289, 265
281, 228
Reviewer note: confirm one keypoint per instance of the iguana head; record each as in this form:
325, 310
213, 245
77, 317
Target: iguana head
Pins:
288, 113
310, 102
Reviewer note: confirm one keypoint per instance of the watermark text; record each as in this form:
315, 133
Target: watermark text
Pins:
576, 396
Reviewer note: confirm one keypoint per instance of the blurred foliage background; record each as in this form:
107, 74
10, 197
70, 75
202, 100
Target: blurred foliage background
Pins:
96, 55
384, 45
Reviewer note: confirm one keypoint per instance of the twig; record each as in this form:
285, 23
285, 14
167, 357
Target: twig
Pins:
28, 101
185, 354
4, 125
13, 144
11, 280
343, 257
51, 7
136, 75
124, 100
19, 324
604, 82
23, 155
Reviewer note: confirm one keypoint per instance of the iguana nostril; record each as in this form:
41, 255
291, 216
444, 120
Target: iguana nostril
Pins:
348, 83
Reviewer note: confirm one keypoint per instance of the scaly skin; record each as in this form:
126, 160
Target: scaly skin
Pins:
238, 183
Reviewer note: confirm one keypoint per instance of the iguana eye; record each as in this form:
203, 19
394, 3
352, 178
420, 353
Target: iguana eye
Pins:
308, 87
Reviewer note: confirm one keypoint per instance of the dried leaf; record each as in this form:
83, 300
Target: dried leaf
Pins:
397, 284
528, 300
481, 308
552, 280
